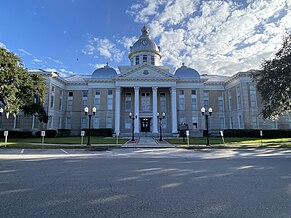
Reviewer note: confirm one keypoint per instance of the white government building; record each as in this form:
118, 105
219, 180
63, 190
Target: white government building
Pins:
145, 88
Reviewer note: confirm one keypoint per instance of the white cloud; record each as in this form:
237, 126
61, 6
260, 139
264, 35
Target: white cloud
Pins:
54, 60
64, 72
35, 60
127, 41
103, 47
216, 37
2, 45
24, 51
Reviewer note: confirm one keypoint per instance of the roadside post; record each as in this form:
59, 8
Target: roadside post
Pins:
42, 137
6, 136
82, 137
221, 134
117, 135
261, 136
187, 134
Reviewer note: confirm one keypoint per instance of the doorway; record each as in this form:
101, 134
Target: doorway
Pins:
145, 125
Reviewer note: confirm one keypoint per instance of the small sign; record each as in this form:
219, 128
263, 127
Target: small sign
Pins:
221, 133
117, 133
42, 133
5, 133
261, 133
187, 132
82, 133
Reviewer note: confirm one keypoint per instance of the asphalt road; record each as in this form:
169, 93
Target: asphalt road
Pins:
145, 183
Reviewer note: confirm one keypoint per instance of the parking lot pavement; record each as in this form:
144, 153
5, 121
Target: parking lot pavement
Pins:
145, 153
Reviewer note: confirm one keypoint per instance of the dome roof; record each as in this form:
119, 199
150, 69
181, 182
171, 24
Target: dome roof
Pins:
105, 72
144, 43
187, 72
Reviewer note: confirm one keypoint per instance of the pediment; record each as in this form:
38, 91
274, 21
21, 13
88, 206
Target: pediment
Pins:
148, 72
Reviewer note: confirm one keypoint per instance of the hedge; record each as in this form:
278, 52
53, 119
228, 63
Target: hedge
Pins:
105, 132
17, 134
270, 133
64, 132
48, 133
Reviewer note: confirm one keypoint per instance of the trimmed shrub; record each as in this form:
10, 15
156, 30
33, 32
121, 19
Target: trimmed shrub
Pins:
105, 132
48, 133
17, 134
64, 132
255, 133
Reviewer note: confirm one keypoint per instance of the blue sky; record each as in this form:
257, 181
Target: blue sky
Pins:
77, 36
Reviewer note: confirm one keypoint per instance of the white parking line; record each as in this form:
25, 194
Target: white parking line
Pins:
22, 150
64, 151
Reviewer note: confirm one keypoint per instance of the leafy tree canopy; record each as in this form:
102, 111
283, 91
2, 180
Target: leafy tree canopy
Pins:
274, 81
19, 89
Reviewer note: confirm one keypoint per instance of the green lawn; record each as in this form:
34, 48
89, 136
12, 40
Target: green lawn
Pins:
234, 142
69, 140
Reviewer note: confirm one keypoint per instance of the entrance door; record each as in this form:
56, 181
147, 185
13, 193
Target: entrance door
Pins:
145, 125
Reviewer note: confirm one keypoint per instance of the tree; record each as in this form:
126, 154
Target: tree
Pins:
274, 81
20, 90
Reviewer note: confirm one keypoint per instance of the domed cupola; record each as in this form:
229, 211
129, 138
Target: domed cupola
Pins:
144, 50
105, 72
187, 72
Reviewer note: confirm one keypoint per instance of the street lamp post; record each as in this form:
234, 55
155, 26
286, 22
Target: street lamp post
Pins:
86, 110
160, 117
204, 113
1, 112
132, 117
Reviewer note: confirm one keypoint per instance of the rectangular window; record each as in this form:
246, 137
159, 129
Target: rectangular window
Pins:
254, 122
195, 122
52, 103
109, 122
61, 101
109, 100
35, 122
181, 105
69, 123
70, 94
144, 58
70, 105
128, 102
240, 122
17, 122
127, 123
238, 97
206, 98
84, 103
97, 100
84, 123
85, 94
230, 123
163, 102
253, 96
194, 100
96, 122
221, 123
50, 122
60, 123
153, 60
182, 120
136, 60
229, 100
220, 104
145, 102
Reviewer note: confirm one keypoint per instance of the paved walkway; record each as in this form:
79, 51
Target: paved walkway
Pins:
146, 142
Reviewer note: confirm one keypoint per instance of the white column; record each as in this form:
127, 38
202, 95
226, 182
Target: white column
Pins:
155, 110
174, 110
136, 109
117, 109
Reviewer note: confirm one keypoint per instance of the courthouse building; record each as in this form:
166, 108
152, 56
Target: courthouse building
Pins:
145, 88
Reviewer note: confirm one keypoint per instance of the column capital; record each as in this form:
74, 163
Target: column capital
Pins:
155, 88
173, 89
136, 88
117, 88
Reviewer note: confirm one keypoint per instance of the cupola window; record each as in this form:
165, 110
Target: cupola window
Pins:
136, 60
144, 58
153, 60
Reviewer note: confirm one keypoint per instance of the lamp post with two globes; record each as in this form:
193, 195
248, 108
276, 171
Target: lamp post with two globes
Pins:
161, 117
86, 110
207, 115
132, 117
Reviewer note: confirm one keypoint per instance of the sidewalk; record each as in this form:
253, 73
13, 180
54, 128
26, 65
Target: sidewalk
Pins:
147, 142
